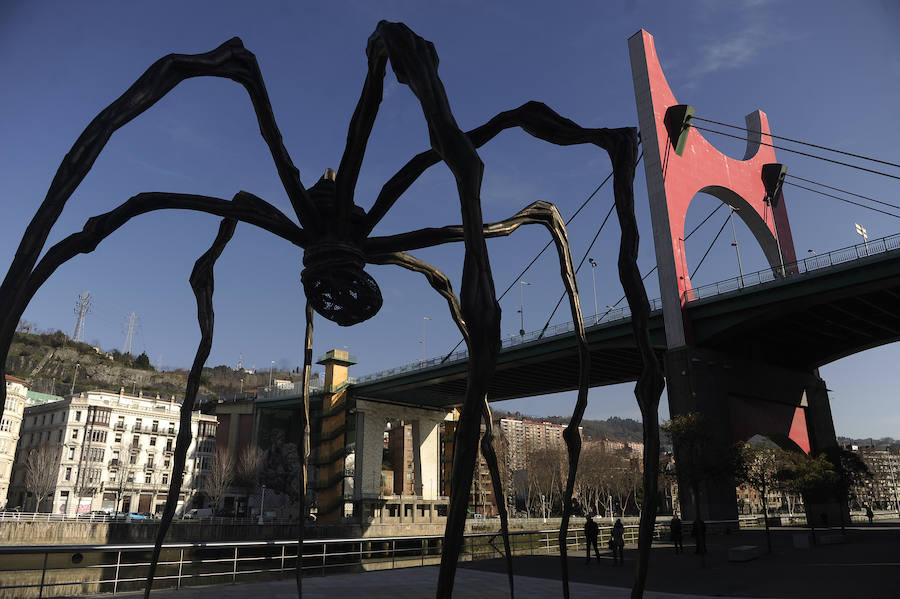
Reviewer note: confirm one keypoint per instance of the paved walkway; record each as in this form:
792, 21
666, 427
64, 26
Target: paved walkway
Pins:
867, 566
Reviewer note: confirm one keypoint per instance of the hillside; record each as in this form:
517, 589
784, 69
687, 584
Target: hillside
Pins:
48, 362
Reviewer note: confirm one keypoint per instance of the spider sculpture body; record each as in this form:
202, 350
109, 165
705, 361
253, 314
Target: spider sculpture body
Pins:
333, 233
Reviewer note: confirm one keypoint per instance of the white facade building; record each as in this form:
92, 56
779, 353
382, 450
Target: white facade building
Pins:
10, 423
113, 452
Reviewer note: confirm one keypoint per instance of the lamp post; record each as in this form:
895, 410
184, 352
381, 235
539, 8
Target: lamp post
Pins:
736, 248
594, 281
262, 505
242, 385
74, 376
522, 285
861, 230
424, 319
271, 370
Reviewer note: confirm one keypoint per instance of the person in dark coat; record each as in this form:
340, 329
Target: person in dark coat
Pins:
591, 530
675, 533
617, 543
870, 514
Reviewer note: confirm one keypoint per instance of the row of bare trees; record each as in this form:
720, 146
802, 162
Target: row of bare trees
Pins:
607, 483
227, 471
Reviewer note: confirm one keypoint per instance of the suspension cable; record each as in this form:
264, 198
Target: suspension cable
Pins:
699, 264
541, 253
850, 193
808, 155
797, 141
580, 264
842, 199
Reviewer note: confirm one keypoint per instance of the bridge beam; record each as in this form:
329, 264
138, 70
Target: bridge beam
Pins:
740, 398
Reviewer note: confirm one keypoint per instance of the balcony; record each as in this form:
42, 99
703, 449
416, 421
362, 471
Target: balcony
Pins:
114, 463
119, 426
137, 427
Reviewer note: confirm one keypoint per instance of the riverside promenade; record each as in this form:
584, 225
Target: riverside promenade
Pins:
867, 566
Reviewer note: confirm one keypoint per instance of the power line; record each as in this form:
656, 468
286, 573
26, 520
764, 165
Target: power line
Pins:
842, 199
808, 155
856, 195
83, 306
797, 141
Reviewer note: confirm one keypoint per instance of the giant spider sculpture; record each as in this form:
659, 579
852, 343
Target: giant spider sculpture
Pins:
334, 236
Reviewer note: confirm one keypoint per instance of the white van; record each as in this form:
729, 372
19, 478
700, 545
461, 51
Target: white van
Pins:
198, 513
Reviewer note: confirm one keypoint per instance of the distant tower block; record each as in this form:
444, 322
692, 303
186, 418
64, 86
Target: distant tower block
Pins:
82, 308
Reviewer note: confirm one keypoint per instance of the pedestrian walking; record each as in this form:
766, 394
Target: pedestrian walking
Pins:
699, 534
870, 514
675, 533
591, 530
617, 543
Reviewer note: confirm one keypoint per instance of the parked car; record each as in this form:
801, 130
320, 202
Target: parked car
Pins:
137, 516
198, 513
94, 515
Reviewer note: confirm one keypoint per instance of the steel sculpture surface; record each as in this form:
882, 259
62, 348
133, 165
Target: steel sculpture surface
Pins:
333, 233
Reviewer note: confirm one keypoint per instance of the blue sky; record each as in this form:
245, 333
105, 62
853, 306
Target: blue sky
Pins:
822, 71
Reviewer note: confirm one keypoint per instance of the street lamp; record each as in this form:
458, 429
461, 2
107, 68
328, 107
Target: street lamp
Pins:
424, 318
594, 281
271, 370
522, 285
74, 376
861, 230
735, 244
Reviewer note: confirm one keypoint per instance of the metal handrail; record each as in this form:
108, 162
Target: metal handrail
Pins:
817, 262
201, 562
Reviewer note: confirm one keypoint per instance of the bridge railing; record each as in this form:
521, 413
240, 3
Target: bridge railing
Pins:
813, 263
610, 315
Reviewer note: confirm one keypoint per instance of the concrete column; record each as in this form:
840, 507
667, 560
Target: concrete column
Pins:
370, 424
427, 462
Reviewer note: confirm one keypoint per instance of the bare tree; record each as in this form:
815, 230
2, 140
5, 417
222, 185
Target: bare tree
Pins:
41, 472
758, 466
249, 468
546, 469
219, 478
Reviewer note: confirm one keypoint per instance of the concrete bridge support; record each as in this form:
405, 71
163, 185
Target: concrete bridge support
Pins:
371, 420
740, 398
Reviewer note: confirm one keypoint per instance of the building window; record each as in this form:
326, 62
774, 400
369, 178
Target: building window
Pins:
147, 478
71, 453
136, 440
153, 441
168, 444
118, 437
74, 433
68, 473
150, 461
155, 426
165, 478
166, 462
77, 415
171, 428
59, 434
132, 459
138, 424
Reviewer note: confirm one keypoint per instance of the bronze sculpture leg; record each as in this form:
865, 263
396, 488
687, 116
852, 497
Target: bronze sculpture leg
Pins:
202, 283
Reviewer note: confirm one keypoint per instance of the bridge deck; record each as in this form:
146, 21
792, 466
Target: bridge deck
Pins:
819, 314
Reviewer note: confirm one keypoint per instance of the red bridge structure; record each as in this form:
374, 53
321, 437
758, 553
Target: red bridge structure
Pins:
739, 397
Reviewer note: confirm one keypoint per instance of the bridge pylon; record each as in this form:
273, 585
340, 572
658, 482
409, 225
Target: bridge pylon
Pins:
738, 392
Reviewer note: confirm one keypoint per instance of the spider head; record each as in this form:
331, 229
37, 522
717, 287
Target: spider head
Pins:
333, 277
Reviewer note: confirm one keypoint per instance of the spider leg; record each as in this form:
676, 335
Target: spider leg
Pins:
245, 206
230, 60
440, 283
304, 443
358, 136
545, 214
535, 118
415, 63
202, 284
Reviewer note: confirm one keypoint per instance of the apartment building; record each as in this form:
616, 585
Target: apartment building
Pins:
10, 423
525, 436
110, 451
